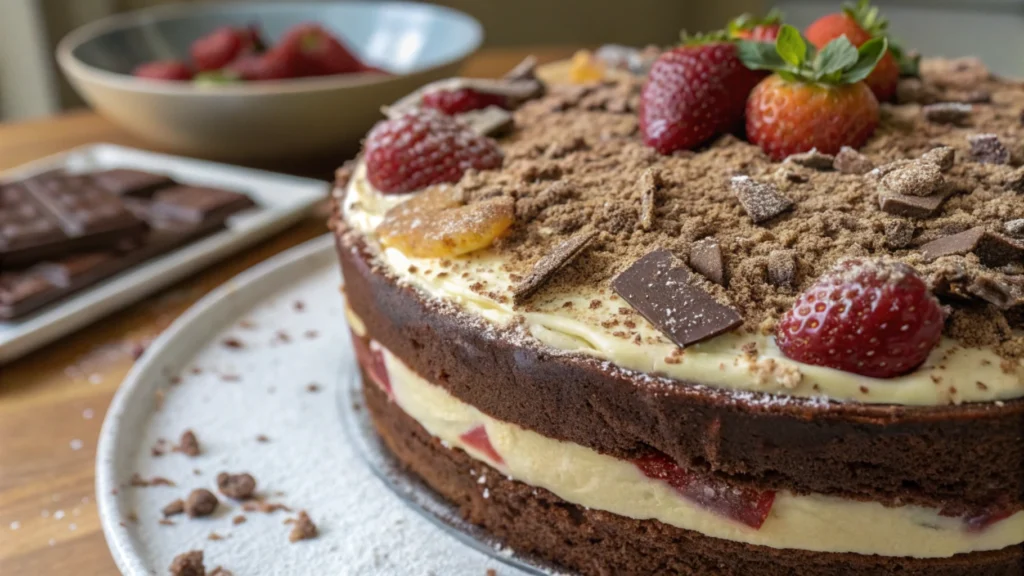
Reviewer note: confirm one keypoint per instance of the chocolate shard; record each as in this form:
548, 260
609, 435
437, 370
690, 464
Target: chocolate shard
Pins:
489, 121
658, 287
525, 70
849, 161
650, 181
911, 206
955, 113
1015, 228
706, 258
991, 290
898, 233
762, 201
545, 268
988, 149
812, 159
943, 157
993, 250
914, 179
782, 268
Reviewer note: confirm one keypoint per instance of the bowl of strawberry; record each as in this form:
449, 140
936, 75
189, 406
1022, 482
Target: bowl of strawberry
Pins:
263, 81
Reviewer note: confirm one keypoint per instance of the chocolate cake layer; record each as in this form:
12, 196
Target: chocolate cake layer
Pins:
962, 459
593, 542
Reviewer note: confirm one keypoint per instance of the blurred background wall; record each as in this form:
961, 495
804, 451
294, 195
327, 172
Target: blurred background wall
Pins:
993, 29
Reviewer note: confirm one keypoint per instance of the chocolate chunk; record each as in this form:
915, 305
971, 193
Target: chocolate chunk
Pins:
993, 250
914, 91
954, 113
236, 486
914, 179
706, 258
659, 289
761, 200
124, 182
1015, 228
911, 206
550, 264
849, 161
525, 70
791, 175
988, 149
489, 121
943, 157
898, 233
303, 528
188, 444
1015, 181
201, 502
188, 564
991, 290
174, 508
650, 181
194, 204
812, 159
782, 268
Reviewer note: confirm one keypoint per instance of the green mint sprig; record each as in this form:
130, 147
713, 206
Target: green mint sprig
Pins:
796, 59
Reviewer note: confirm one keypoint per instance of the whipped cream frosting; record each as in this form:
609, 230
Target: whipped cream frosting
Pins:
479, 285
584, 477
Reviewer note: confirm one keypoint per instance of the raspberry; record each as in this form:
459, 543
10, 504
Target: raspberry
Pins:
423, 147
874, 318
454, 102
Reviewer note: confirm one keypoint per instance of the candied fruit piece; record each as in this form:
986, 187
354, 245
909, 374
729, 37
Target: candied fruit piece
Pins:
585, 68
437, 223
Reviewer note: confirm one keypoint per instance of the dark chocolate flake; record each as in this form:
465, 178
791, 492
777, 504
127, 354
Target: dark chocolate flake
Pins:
812, 159
489, 121
991, 290
549, 265
988, 149
761, 200
650, 181
992, 250
659, 289
706, 258
911, 206
947, 112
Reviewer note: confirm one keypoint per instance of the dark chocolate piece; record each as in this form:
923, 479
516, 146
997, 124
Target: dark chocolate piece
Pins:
525, 70
988, 149
24, 222
812, 159
761, 200
490, 121
947, 112
188, 564
706, 258
650, 181
658, 288
991, 290
849, 161
911, 206
125, 182
550, 264
782, 268
194, 204
993, 250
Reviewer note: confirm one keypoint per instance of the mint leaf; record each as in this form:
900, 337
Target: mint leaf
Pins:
868, 56
836, 56
791, 46
759, 55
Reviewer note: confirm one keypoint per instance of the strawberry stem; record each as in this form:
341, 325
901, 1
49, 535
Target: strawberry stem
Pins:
794, 58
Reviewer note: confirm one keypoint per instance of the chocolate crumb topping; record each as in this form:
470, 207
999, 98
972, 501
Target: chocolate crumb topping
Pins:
188, 444
898, 233
303, 528
236, 486
201, 502
188, 564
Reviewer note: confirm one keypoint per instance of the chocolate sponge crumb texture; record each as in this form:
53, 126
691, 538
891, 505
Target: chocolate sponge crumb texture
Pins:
623, 326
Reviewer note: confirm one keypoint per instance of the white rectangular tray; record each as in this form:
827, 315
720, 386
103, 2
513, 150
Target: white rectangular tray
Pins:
282, 200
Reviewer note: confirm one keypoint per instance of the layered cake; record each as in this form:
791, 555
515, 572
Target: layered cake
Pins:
627, 357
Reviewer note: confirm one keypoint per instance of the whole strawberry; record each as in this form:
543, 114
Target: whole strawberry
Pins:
319, 52
693, 93
424, 147
454, 102
222, 46
750, 27
173, 70
860, 23
815, 99
870, 317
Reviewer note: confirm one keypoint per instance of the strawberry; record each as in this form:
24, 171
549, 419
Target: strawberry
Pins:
477, 439
275, 64
222, 46
860, 23
815, 99
870, 317
174, 70
454, 102
750, 27
693, 93
424, 147
318, 52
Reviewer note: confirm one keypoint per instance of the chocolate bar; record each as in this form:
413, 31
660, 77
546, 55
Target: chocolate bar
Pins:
170, 215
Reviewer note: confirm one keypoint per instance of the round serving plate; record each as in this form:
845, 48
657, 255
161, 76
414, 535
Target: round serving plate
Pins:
254, 369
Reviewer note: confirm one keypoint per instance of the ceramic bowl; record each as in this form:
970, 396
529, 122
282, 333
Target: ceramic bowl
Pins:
281, 119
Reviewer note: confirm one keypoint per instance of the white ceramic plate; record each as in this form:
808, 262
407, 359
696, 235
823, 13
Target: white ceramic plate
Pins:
282, 199
308, 461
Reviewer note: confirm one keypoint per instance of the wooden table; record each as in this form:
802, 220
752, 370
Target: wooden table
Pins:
52, 402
